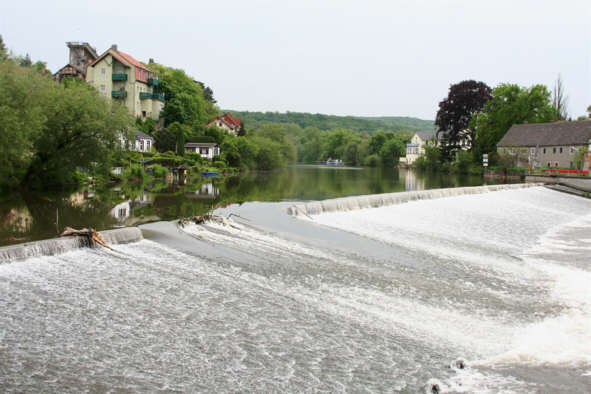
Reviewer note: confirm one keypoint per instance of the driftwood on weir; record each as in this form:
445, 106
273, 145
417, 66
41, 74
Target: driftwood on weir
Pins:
90, 234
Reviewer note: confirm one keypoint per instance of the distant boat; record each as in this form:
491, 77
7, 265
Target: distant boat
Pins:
334, 162
210, 174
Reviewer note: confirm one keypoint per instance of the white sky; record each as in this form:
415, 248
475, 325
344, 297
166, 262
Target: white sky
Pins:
342, 57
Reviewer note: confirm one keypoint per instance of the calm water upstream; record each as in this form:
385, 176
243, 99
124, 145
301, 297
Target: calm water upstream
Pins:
28, 217
336, 299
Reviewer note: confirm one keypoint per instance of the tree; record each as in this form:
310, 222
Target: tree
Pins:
559, 100
48, 130
391, 151
511, 104
589, 110
164, 140
453, 117
3, 51
25, 61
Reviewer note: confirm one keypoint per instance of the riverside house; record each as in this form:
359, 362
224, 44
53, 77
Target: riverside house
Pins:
545, 144
227, 122
418, 142
119, 76
207, 150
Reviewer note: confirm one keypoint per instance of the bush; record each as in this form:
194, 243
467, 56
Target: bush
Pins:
159, 171
373, 161
219, 163
134, 172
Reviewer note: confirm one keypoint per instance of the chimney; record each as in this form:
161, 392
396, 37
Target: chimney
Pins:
114, 46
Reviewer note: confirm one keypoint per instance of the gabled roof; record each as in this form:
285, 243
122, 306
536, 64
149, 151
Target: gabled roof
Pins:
140, 135
426, 135
228, 120
124, 58
200, 144
548, 134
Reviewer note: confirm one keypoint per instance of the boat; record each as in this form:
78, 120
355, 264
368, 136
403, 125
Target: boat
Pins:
210, 174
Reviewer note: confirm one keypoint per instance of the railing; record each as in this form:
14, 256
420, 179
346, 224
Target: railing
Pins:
145, 95
119, 94
119, 77
158, 96
153, 81
554, 171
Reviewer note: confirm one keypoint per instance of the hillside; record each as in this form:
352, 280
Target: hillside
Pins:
330, 122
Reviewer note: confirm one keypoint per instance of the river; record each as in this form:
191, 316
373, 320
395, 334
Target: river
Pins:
481, 289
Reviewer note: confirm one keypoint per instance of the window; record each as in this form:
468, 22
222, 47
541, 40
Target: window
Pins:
555, 164
102, 88
554, 150
143, 114
548, 164
532, 151
545, 152
203, 151
103, 70
572, 150
561, 149
512, 151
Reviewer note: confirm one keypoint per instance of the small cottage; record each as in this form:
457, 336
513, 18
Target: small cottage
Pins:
207, 150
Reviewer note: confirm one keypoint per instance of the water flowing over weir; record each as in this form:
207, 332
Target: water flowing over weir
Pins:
390, 299
50, 247
382, 200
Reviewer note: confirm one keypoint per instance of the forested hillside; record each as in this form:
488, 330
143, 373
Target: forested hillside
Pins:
330, 122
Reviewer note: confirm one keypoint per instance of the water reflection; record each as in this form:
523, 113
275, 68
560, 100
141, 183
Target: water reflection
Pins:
42, 215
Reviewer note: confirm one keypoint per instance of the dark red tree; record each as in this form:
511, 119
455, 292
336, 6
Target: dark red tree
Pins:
453, 118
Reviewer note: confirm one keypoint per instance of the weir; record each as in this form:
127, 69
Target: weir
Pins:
381, 200
50, 247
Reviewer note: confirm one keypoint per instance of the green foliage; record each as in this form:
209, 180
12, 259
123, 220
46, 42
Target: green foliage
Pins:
3, 52
373, 161
159, 171
184, 98
331, 122
134, 173
431, 160
148, 125
511, 104
268, 155
48, 129
164, 140
391, 151
579, 158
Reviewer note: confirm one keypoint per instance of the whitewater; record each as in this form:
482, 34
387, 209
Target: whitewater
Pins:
484, 289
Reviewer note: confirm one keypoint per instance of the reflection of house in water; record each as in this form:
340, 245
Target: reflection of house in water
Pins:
207, 191
411, 182
123, 211
18, 220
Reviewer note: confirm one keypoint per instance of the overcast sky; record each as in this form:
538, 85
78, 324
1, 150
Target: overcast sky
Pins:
339, 57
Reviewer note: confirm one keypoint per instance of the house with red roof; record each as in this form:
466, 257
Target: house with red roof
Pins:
120, 77
227, 122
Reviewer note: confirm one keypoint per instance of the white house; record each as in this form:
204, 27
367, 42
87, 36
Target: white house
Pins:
227, 122
207, 150
418, 142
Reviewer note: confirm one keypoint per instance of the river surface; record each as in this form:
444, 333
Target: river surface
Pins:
35, 216
482, 292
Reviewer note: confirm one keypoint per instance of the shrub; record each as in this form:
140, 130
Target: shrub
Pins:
373, 161
134, 172
159, 171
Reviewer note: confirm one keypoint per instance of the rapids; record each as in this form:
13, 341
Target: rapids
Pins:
472, 291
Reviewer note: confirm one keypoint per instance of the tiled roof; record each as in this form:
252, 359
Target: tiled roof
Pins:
200, 144
131, 60
228, 120
548, 134
426, 135
140, 135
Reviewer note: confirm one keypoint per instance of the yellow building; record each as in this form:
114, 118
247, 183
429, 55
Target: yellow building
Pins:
119, 76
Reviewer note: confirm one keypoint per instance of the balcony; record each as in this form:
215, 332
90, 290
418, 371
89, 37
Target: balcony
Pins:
119, 94
145, 95
158, 96
119, 77
153, 81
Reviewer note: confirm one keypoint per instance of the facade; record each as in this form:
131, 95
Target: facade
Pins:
418, 142
545, 144
143, 142
120, 77
207, 150
227, 122
81, 55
